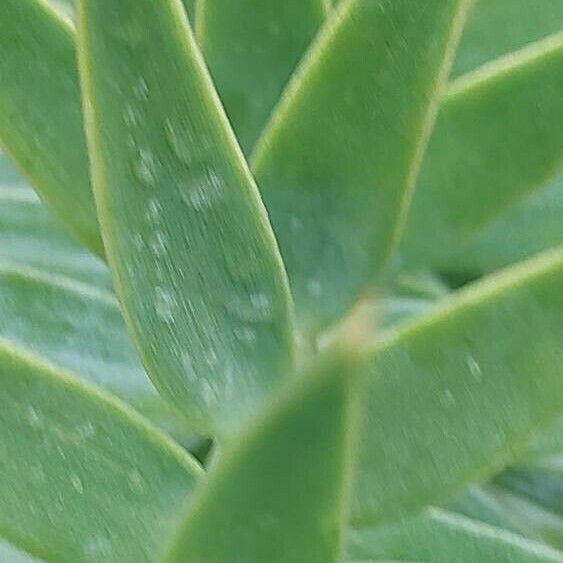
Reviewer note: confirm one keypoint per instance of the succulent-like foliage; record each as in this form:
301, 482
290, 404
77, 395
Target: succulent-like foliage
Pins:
324, 236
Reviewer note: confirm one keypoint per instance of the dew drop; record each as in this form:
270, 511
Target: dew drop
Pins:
34, 417
314, 287
136, 481
158, 243
206, 191
182, 144
165, 305
77, 483
130, 116
145, 166
85, 431
447, 399
245, 334
473, 366
141, 89
211, 358
252, 308
153, 211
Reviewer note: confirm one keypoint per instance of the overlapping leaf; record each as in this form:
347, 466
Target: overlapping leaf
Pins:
193, 258
341, 153
40, 112
457, 393
442, 537
30, 237
82, 478
522, 22
497, 139
81, 329
252, 48
279, 494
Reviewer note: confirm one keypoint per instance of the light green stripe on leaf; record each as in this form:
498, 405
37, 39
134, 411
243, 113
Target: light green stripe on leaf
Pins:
80, 474
252, 48
496, 28
443, 537
457, 393
40, 112
194, 261
339, 158
498, 138
280, 493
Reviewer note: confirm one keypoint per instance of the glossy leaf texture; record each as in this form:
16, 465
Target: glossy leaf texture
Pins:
442, 537
280, 493
457, 393
194, 262
338, 159
252, 48
79, 328
82, 478
40, 112
522, 22
497, 140
30, 237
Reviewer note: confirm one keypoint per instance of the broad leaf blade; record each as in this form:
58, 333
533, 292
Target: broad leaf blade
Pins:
30, 237
337, 162
195, 264
498, 137
81, 329
528, 226
470, 382
252, 48
40, 112
522, 22
82, 479
443, 537
279, 494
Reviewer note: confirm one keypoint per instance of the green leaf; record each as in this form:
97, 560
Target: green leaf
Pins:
477, 503
191, 7
443, 537
194, 261
529, 225
522, 499
82, 478
279, 494
497, 139
252, 48
40, 112
340, 155
455, 394
9, 554
521, 21
79, 328
30, 237
539, 517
